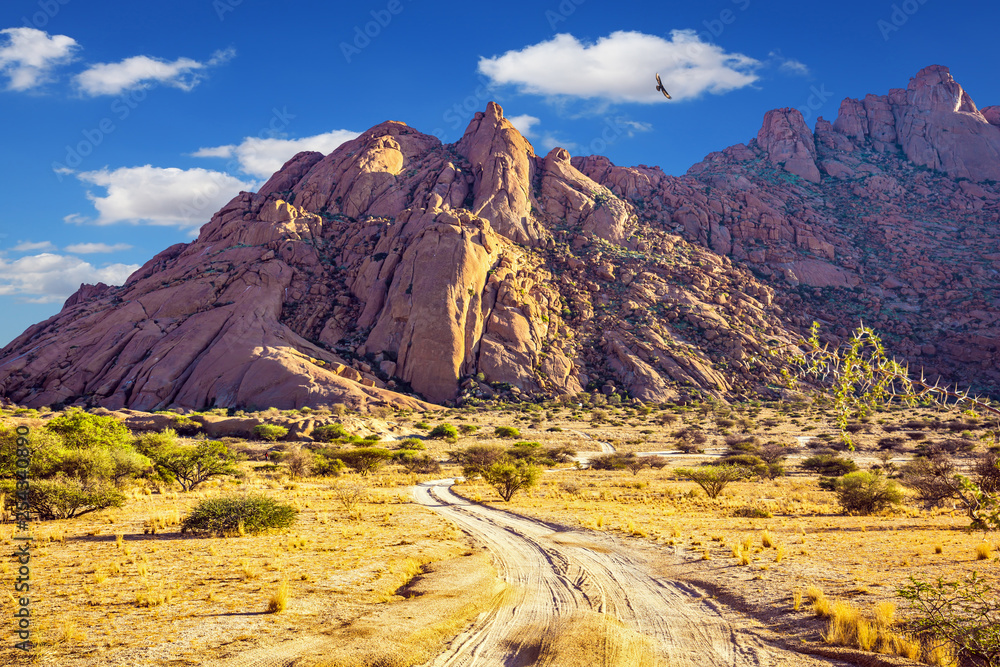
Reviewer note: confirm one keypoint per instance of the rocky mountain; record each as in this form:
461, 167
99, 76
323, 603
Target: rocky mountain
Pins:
398, 268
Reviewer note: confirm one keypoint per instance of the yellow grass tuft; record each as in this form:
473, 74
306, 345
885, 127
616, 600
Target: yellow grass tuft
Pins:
766, 539
279, 599
885, 614
984, 551
796, 599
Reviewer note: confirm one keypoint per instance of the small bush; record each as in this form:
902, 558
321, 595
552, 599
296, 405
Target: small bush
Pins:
81, 430
269, 432
964, 613
62, 498
330, 433
279, 600
476, 458
229, 515
509, 477
506, 432
444, 432
752, 513
413, 444
364, 460
417, 463
865, 492
829, 465
713, 479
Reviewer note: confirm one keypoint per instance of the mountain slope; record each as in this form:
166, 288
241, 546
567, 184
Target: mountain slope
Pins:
399, 265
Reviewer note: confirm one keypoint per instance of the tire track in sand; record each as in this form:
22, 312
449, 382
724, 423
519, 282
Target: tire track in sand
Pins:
560, 582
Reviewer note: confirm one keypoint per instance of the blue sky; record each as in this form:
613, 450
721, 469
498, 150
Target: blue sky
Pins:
126, 124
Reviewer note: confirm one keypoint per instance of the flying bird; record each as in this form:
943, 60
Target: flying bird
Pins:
659, 87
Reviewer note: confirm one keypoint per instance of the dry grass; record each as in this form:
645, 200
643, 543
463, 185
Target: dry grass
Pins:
359, 539
279, 599
984, 551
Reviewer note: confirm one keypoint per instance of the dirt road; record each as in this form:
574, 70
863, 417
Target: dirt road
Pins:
580, 599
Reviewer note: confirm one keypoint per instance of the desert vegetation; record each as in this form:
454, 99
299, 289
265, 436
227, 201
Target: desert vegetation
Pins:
755, 501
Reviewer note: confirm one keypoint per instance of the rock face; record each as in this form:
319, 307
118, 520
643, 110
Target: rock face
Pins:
396, 269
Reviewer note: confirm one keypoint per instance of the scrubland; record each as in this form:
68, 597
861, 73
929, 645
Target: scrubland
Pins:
389, 582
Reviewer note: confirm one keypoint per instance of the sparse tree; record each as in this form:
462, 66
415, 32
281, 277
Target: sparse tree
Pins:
191, 465
364, 460
509, 477
863, 492
965, 614
713, 479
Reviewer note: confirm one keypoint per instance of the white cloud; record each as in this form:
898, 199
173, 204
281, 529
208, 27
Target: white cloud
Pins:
549, 141
218, 151
90, 248
524, 123
262, 157
28, 246
49, 277
27, 56
620, 67
144, 71
789, 65
158, 196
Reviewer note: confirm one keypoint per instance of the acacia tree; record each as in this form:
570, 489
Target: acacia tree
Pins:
508, 477
861, 378
964, 613
192, 465
713, 479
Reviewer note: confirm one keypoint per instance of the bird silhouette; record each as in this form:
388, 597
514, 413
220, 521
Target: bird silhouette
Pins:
659, 87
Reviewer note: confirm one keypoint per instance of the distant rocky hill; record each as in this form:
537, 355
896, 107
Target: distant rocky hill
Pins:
398, 267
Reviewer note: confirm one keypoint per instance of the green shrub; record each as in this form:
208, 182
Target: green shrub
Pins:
364, 460
963, 613
506, 432
417, 463
752, 513
327, 466
444, 432
509, 477
64, 498
226, 515
863, 492
330, 433
475, 458
269, 432
829, 465
190, 465
422, 425
412, 444
82, 430
47, 451
713, 479
467, 429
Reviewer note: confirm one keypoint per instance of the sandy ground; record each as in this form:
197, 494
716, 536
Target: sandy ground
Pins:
578, 598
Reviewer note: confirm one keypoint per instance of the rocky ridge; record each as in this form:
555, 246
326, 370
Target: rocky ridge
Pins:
398, 267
